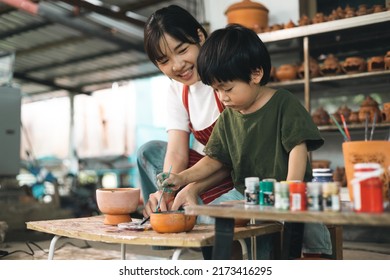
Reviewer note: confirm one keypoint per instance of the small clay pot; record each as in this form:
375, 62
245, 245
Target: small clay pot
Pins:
369, 108
386, 112
314, 69
290, 24
172, 222
345, 111
349, 12
376, 63
354, 64
304, 20
330, 66
334, 15
320, 117
318, 18
387, 61
362, 10
378, 8
250, 14
117, 204
354, 117
286, 72
320, 163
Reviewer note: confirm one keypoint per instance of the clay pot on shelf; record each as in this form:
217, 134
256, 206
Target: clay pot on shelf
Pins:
172, 222
250, 14
318, 18
290, 24
304, 20
320, 117
320, 163
378, 8
330, 66
349, 12
386, 112
345, 111
354, 64
387, 60
369, 108
376, 63
354, 117
286, 72
314, 69
334, 15
362, 10
117, 204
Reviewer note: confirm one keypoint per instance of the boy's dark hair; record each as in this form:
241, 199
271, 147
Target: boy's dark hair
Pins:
233, 53
172, 20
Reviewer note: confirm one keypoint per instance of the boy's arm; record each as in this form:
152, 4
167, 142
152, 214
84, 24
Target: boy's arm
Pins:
297, 162
201, 170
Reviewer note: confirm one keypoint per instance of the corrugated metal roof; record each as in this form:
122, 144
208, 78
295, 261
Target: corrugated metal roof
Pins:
79, 49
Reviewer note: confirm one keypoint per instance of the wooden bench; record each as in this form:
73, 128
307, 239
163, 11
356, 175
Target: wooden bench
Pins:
93, 229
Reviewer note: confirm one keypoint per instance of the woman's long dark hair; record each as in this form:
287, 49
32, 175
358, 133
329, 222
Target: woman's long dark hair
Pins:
172, 20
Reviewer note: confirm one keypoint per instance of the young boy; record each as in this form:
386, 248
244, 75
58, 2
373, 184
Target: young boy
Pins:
263, 132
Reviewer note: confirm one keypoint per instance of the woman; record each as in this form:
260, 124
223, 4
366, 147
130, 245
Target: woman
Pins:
172, 40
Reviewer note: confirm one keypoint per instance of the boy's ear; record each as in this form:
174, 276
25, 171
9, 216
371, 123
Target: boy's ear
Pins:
257, 75
202, 37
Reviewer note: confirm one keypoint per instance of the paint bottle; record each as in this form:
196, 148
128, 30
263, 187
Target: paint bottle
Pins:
314, 196
322, 175
266, 195
252, 190
282, 199
367, 188
331, 196
297, 196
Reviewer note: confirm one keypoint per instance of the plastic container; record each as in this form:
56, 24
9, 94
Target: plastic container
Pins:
282, 199
314, 196
298, 196
266, 196
252, 190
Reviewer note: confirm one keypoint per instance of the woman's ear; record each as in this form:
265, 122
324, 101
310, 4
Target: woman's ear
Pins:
202, 37
257, 75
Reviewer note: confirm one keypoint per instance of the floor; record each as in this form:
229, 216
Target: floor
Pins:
71, 249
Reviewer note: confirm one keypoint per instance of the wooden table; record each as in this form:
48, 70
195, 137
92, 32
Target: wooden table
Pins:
93, 229
226, 213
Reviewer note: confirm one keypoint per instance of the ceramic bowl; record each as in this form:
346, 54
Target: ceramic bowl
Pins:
117, 203
172, 222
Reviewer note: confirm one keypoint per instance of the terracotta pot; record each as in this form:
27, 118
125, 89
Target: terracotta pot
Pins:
286, 72
354, 117
387, 60
314, 69
376, 63
172, 222
117, 203
345, 111
304, 20
369, 107
354, 64
290, 24
249, 14
320, 163
318, 18
386, 112
330, 66
320, 116
367, 152
362, 10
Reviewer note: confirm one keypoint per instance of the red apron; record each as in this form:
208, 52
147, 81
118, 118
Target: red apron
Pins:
203, 136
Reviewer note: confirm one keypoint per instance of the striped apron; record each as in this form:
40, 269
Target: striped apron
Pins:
203, 136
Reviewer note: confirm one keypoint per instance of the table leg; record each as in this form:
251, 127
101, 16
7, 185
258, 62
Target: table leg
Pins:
292, 240
224, 231
52, 247
123, 251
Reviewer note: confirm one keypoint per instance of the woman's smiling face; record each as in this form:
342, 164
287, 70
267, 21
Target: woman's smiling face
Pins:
179, 60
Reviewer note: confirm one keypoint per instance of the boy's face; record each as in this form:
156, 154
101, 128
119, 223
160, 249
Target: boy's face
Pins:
179, 60
238, 95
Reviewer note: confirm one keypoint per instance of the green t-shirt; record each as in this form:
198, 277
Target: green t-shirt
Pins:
258, 144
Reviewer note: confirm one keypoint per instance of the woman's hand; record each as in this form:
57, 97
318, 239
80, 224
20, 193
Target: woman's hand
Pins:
173, 182
151, 205
186, 196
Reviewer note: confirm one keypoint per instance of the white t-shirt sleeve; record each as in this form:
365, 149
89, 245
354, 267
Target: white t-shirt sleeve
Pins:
177, 116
